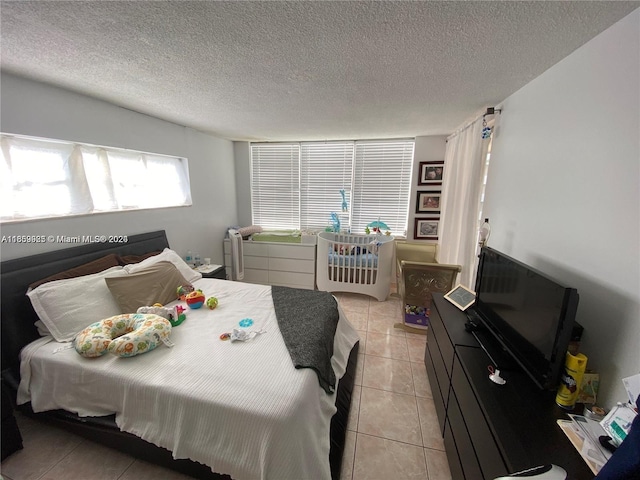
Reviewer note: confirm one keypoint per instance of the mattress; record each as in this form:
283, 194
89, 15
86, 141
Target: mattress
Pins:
241, 408
360, 260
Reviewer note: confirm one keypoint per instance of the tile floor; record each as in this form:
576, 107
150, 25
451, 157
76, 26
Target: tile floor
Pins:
392, 430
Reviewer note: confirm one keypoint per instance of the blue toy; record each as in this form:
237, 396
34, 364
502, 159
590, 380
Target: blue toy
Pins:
336, 222
246, 322
345, 207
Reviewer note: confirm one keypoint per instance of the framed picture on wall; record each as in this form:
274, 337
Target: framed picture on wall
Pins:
426, 228
431, 173
428, 201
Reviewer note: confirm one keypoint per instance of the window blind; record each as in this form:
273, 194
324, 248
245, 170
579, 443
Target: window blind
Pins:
325, 169
275, 185
297, 185
52, 178
382, 184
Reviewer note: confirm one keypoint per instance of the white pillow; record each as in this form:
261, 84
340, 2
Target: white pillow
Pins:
167, 255
43, 331
68, 306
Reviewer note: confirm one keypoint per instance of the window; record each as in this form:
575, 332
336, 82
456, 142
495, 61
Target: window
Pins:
48, 178
382, 184
298, 185
326, 169
275, 185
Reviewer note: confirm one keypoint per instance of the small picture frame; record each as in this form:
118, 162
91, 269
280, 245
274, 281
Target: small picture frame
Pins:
461, 297
428, 202
426, 228
431, 173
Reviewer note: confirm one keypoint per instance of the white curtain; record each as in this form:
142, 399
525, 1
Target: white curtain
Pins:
464, 161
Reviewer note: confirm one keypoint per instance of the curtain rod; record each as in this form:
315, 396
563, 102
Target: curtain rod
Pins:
489, 111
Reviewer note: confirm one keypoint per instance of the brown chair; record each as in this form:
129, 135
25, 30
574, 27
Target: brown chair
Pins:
417, 281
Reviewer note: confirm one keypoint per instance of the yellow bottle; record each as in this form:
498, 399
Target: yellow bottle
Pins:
570, 380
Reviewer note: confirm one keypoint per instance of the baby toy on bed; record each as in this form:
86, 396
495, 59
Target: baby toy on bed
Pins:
175, 315
183, 290
195, 299
212, 302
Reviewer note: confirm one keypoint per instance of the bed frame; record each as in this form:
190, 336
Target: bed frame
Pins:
18, 330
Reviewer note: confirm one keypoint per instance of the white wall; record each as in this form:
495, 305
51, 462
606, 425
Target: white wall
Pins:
427, 149
32, 108
562, 192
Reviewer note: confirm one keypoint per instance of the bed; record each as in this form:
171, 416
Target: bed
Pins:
355, 263
207, 408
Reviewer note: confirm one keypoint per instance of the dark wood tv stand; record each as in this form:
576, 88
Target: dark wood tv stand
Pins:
490, 430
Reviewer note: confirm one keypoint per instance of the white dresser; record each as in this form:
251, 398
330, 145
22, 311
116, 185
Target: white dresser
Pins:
273, 263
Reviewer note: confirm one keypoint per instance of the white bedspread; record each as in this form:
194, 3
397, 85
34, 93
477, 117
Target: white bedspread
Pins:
240, 408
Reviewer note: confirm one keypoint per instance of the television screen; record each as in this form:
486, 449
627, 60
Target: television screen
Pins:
529, 313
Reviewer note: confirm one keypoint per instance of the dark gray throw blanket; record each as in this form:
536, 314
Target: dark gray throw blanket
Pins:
308, 321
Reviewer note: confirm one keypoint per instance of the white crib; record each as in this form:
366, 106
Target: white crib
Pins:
355, 263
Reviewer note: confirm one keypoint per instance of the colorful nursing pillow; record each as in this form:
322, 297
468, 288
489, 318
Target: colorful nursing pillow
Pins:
123, 335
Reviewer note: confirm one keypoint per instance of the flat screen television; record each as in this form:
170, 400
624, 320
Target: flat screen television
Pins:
531, 315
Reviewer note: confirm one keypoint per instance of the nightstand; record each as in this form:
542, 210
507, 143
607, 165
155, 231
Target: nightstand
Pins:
213, 271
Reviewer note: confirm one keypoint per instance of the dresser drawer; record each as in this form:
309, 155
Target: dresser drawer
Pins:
256, 276
289, 265
306, 252
455, 467
484, 444
464, 447
439, 391
444, 342
255, 249
260, 263
286, 264
290, 279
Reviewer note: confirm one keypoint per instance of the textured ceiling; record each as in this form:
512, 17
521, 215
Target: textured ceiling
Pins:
298, 70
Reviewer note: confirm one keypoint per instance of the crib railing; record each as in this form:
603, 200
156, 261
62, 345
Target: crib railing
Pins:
355, 260
354, 263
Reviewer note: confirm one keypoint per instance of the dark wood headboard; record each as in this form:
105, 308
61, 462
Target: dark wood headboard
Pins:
17, 314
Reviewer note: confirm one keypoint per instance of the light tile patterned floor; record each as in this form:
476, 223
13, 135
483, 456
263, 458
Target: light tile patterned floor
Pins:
392, 430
